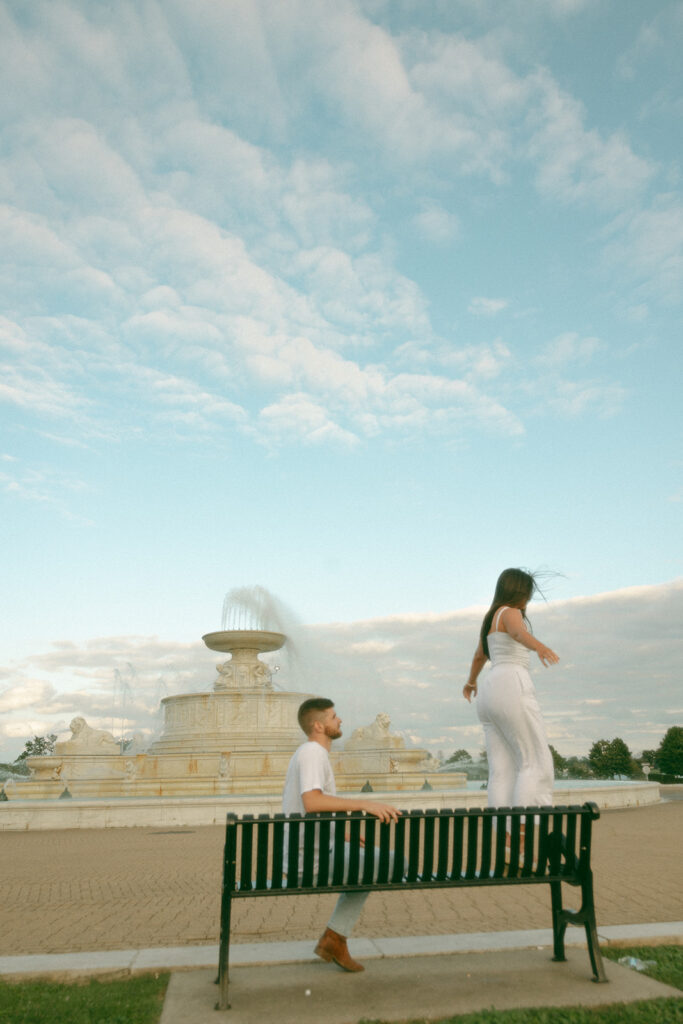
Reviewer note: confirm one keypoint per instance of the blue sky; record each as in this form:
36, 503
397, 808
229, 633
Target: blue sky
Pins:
360, 301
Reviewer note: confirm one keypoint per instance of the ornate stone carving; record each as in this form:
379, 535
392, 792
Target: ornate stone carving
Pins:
375, 736
86, 740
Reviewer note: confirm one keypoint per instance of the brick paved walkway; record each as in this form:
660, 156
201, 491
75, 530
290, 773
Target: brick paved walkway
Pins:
67, 891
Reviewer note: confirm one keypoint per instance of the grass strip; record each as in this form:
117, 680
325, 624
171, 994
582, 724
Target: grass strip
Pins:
136, 1000
668, 966
650, 1011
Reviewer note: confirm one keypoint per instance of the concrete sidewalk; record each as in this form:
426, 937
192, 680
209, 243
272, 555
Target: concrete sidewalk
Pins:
404, 989
123, 962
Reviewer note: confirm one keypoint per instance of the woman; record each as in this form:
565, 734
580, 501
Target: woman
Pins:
520, 762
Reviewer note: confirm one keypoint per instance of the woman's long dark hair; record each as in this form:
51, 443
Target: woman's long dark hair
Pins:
515, 587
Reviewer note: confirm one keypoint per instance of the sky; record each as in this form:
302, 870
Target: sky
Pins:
360, 302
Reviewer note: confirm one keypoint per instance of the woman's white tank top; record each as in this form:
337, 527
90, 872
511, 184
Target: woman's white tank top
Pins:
502, 648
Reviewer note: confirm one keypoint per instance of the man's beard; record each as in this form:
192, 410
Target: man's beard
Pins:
334, 734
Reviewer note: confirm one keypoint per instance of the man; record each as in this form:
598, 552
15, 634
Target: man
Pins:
310, 787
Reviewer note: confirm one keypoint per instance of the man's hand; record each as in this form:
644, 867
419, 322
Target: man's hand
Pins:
385, 812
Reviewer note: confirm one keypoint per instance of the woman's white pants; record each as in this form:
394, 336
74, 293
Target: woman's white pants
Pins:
520, 763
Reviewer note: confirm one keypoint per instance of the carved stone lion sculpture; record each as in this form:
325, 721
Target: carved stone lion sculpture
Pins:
86, 740
375, 736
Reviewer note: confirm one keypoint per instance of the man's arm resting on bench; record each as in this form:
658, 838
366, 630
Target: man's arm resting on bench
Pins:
314, 800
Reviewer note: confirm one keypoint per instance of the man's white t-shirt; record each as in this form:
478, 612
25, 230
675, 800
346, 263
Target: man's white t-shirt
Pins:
308, 769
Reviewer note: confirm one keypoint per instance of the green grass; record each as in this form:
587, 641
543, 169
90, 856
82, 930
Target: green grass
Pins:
128, 1001
652, 1011
668, 961
668, 969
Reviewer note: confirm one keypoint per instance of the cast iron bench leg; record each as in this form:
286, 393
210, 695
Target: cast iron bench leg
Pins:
559, 921
223, 978
588, 911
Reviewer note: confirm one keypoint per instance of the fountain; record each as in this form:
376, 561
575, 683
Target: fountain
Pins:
236, 738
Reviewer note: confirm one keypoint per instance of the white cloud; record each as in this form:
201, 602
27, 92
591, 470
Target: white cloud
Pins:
656, 41
571, 396
299, 417
574, 398
576, 164
648, 244
568, 348
29, 693
481, 306
436, 224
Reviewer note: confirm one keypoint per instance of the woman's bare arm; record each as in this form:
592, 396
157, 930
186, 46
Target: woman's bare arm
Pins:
514, 625
469, 690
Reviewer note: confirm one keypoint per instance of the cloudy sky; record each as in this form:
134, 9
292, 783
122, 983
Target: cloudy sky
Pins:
361, 301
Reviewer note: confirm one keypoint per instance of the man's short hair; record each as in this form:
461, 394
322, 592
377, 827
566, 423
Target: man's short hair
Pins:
311, 710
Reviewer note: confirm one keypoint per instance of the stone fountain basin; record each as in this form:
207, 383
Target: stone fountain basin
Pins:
228, 640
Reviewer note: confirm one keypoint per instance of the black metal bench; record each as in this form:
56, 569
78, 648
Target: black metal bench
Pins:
431, 850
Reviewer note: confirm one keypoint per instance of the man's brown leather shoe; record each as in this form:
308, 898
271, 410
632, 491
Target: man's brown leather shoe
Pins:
332, 946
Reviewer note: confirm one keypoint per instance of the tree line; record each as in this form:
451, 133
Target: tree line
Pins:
608, 758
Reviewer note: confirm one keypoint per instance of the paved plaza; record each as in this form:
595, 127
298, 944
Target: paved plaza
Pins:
118, 889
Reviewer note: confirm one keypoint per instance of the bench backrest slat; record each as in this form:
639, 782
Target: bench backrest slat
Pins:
384, 857
354, 850
458, 832
310, 850
338, 857
472, 845
278, 846
542, 844
529, 845
414, 821
515, 825
399, 849
245, 856
585, 845
428, 845
570, 844
324, 851
369, 851
292, 868
445, 830
486, 834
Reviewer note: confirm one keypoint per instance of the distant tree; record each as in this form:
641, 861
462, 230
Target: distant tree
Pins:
458, 756
559, 762
483, 756
610, 757
579, 768
647, 757
669, 757
38, 746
